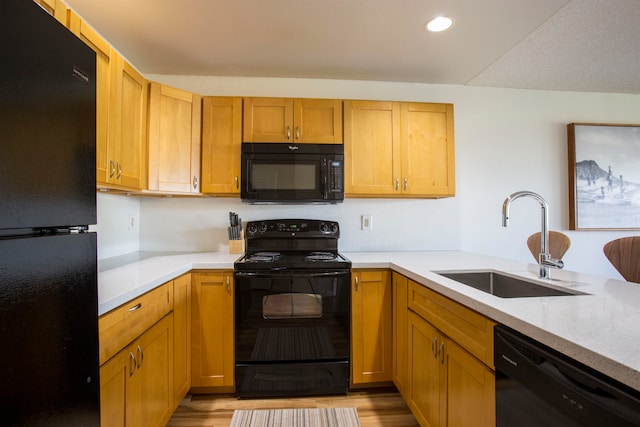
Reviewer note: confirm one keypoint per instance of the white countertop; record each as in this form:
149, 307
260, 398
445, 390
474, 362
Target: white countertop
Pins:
601, 329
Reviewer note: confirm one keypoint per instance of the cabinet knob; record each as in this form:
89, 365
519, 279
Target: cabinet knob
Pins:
441, 352
397, 184
228, 285
288, 132
356, 283
112, 168
140, 356
434, 347
297, 132
119, 170
406, 184
195, 182
237, 183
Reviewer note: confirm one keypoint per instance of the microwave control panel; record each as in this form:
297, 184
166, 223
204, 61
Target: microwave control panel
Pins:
336, 178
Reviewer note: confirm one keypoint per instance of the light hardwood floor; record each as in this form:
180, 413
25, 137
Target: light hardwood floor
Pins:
380, 407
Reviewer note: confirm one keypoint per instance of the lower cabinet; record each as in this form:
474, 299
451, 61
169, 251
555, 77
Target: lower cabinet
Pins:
136, 384
181, 337
212, 332
449, 383
371, 343
400, 369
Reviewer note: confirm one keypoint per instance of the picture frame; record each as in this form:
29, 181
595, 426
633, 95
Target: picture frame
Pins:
604, 176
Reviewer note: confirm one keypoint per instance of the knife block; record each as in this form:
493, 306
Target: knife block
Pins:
236, 246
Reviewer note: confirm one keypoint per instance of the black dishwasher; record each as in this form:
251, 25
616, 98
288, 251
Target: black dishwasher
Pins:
538, 386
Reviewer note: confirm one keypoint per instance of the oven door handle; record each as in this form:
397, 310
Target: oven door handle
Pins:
278, 273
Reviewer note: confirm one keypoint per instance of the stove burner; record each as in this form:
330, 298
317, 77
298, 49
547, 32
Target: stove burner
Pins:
320, 256
264, 257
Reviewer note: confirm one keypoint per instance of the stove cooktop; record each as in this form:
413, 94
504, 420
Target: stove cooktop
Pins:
270, 260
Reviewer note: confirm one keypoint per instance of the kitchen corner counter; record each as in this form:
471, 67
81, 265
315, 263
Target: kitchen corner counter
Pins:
123, 278
599, 329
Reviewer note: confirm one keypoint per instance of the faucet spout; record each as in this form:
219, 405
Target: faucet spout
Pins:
544, 260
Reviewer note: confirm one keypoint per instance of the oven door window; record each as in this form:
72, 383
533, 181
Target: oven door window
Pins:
291, 305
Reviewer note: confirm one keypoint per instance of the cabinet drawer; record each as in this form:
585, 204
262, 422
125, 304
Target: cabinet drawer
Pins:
469, 329
122, 325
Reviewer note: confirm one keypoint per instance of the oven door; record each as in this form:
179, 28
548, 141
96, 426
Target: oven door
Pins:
292, 316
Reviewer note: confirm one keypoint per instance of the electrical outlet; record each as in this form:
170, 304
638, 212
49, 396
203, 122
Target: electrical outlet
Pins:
133, 221
366, 223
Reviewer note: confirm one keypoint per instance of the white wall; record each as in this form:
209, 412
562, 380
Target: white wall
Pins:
506, 140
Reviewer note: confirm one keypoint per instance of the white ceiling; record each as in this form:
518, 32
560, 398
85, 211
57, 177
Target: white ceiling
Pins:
567, 45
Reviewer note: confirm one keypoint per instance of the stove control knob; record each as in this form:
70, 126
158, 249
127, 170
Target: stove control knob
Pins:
324, 228
252, 229
334, 228
263, 227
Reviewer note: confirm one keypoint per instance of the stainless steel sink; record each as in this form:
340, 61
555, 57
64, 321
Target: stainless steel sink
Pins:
505, 286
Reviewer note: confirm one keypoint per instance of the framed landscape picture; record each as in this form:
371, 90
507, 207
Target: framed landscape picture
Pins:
604, 176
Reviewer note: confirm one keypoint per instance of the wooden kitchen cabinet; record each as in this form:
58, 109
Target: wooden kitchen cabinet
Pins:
221, 145
398, 149
136, 384
121, 114
181, 338
174, 140
136, 360
296, 120
55, 8
212, 330
451, 381
400, 284
371, 335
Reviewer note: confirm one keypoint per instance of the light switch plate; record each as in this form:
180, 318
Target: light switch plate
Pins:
366, 223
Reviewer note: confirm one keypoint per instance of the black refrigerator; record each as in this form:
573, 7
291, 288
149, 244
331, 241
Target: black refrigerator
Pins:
48, 263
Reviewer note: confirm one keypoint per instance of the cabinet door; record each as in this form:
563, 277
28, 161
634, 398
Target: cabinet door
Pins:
212, 341
221, 145
105, 168
371, 148
181, 338
400, 329
113, 389
127, 134
426, 378
268, 120
428, 164
470, 391
174, 140
55, 8
371, 349
317, 121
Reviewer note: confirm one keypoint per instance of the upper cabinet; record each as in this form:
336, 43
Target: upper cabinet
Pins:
221, 145
292, 120
121, 109
398, 149
55, 8
174, 140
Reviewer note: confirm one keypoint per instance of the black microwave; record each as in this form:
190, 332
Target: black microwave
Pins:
292, 173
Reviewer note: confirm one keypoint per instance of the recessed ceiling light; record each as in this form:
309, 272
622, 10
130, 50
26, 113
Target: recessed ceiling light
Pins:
440, 23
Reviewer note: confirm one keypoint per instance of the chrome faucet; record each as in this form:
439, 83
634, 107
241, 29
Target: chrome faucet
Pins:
544, 258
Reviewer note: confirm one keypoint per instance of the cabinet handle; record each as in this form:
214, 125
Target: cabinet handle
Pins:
441, 351
297, 132
132, 364
141, 357
119, 170
195, 182
434, 347
406, 184
135, 307
288, 132
112, 168
237, 183
356, 283
397, 184
228, 285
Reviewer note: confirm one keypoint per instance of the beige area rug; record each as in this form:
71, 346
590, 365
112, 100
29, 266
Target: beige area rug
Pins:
311, 417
